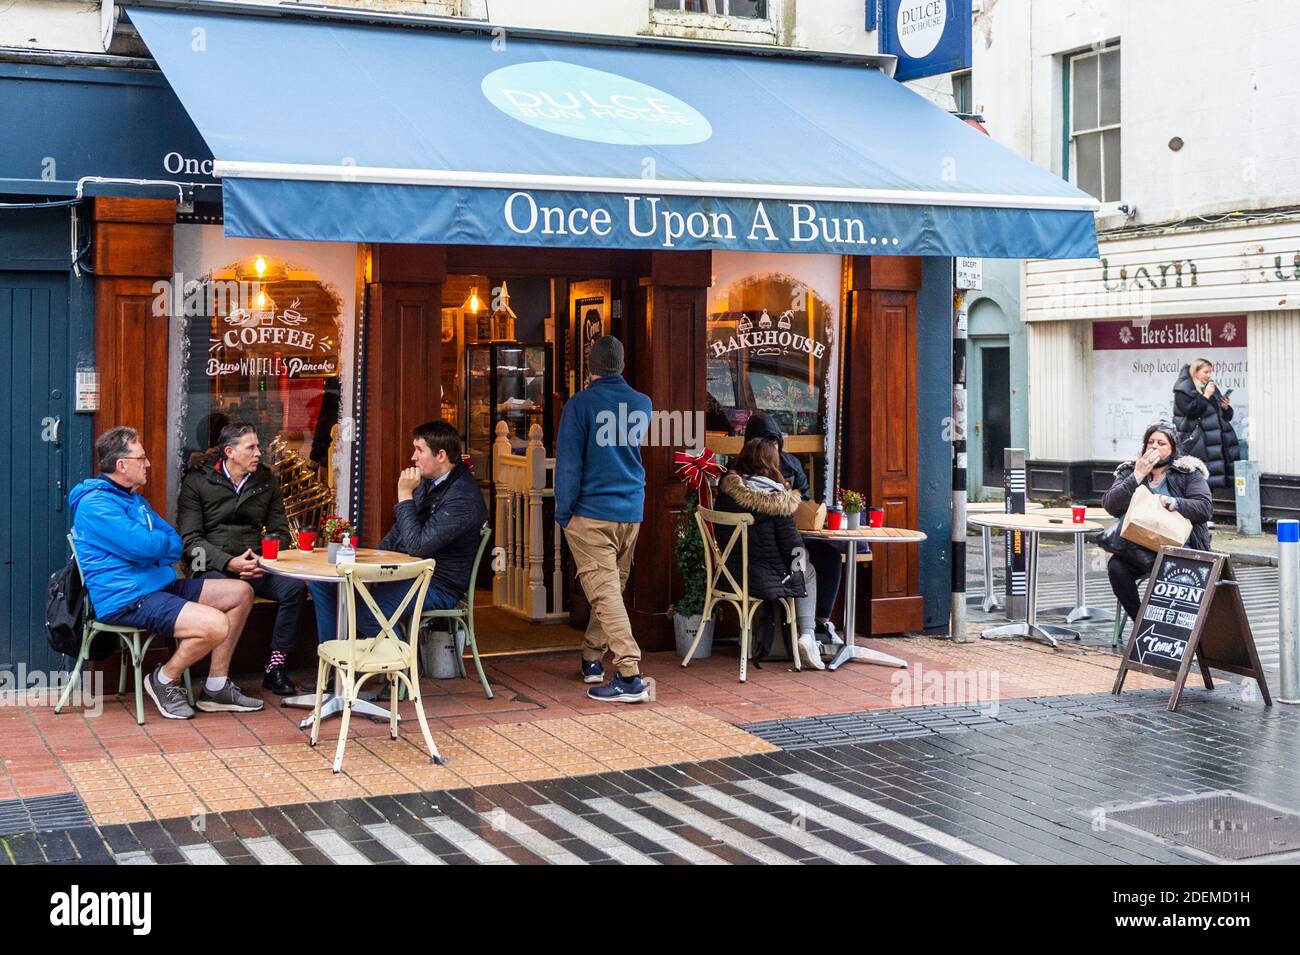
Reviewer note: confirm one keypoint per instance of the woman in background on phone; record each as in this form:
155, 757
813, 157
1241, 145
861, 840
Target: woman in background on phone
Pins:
1179, 481
1203, 417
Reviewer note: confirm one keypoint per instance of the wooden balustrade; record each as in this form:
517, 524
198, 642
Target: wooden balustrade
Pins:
523, 484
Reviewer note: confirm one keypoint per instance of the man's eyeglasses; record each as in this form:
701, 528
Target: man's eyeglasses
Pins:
134, 457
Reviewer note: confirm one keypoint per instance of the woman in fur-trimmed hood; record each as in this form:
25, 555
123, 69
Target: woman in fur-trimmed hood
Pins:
754, 485
1180, 480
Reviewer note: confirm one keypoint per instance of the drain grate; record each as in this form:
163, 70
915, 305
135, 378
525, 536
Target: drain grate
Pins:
42, 813
1224, 825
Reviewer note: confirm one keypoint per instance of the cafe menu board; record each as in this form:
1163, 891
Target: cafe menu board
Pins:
1192, 609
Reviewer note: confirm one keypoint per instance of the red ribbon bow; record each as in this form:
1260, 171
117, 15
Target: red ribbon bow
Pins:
699, 471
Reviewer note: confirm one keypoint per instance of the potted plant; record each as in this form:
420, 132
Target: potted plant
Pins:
853, 505
335, 528
688, 552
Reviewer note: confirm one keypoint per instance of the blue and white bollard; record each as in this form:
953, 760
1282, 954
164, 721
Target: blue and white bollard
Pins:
1288, 608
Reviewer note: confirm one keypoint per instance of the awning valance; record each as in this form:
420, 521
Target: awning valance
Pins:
338, 131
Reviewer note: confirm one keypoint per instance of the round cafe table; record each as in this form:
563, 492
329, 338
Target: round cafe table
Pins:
1032, 526
990, 601
850, 540
1081, 610
314, 566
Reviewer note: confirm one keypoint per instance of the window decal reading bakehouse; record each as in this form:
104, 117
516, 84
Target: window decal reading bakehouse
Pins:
584, 103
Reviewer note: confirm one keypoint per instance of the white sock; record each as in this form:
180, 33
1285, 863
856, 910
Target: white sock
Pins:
214, 683
163, 678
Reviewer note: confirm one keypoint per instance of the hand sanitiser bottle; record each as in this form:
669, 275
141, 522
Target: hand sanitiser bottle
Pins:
347, 552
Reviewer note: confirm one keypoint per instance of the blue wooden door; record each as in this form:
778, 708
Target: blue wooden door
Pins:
35, 406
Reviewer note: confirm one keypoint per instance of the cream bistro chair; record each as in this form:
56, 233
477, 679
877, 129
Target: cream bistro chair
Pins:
461, 617
722, 586
387, 654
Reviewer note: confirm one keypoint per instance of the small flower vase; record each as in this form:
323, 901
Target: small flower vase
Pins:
332, 551
854, 519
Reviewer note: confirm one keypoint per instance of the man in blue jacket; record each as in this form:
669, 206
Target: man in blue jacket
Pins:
600, 502
126, 552
439, 513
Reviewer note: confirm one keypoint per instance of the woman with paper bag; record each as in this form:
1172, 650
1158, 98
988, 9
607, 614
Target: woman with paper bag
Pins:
1159, 480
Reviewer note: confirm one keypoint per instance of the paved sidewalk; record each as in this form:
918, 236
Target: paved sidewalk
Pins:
1051, 789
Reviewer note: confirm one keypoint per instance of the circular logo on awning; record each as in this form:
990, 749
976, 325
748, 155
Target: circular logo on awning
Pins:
601, 107
920, 26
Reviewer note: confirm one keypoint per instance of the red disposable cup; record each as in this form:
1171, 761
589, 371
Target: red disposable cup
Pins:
833, 519
1078, 512
877, 517
306, 540
270, 548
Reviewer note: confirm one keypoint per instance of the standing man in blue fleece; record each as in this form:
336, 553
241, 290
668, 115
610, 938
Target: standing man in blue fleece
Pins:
600, 502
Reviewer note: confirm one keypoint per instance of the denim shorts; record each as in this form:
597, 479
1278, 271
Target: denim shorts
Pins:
157, 612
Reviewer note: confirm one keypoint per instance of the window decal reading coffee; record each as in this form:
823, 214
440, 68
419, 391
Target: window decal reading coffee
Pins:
262, 338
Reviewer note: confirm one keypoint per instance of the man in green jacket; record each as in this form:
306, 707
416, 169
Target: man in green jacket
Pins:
226, 500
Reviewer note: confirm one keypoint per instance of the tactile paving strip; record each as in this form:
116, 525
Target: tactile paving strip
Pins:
43, 814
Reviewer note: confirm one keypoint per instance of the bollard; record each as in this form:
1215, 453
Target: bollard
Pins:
1246, 483
1288, 606
1014, 486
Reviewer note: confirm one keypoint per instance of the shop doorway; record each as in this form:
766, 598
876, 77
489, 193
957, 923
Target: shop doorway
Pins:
35, 411
990, 411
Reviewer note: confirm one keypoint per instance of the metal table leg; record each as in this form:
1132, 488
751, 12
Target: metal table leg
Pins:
1030, 628
850, 651
1081, 609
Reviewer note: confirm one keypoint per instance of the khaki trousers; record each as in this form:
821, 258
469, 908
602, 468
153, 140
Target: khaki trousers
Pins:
602, 551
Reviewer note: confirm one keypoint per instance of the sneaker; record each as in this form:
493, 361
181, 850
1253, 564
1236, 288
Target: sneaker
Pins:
593, 671
621, 689
809, 653
168, 697
228, 699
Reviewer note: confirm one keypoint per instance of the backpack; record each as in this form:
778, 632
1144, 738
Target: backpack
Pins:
65, 616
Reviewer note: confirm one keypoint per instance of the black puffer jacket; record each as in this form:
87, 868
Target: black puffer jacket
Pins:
1205, 429
1184, 481
761, 425
442, 522
773, 536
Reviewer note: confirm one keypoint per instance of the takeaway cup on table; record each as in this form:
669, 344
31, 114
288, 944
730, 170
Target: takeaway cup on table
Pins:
306, 540
834, 518
1078, 513
876, 517
270, 548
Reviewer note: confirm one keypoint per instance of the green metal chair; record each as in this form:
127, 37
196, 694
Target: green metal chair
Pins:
462, 617
135, 643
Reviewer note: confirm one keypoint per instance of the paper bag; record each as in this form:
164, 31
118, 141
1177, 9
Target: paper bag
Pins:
1148, 523
810, 516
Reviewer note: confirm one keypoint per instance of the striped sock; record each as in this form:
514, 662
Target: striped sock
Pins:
277, 659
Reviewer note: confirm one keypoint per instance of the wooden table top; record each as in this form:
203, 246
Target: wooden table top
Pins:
315, 565
1037, 523
876, 535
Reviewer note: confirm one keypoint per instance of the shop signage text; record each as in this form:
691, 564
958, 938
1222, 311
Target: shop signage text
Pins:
651, 217
928, 36
767, 342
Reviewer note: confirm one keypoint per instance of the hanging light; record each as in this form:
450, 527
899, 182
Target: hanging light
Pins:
260, 266
472, 304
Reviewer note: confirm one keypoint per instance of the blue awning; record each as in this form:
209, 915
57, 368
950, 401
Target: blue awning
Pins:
339, 131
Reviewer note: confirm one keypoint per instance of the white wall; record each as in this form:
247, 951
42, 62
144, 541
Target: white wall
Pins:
828, 25
1219, 76
1273, 426
1060, 391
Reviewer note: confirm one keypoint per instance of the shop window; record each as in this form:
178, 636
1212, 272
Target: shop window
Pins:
744, 9
769, 350
961, 92
1092, 122
262, 345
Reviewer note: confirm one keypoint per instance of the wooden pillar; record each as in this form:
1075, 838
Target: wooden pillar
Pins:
666, 345
881, 444
132, 249
403, 370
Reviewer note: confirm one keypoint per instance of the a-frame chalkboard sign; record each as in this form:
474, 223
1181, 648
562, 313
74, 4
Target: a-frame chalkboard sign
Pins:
1192, 608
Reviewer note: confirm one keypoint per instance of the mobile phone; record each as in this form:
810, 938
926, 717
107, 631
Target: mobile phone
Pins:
1228, 393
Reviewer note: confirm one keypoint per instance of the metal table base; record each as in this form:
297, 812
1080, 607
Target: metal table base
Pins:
1030, 628
850, 651
1081, 610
